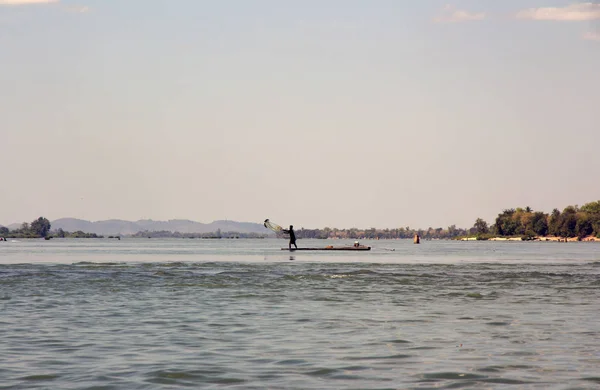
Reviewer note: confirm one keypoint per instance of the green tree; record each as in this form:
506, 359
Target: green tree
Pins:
481, 227
3, 231
452, 231
505, 224
591, 208
569, 222
539, 222
40, 227
583, 226
554, 223
592, 211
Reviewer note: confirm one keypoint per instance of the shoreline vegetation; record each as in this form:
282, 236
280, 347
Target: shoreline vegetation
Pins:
40, 228
574, 223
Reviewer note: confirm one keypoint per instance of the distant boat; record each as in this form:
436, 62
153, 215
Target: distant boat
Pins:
332, 248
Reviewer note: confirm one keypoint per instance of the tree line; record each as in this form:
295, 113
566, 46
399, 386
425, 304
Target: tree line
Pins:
36, 229
40, 228
381, 234
573, 221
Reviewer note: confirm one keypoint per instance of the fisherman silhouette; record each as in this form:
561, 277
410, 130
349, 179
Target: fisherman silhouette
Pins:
292, 236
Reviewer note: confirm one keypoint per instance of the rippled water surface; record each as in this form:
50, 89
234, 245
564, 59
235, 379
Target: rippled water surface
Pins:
242, 314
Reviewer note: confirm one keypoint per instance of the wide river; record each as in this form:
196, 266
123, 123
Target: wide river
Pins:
242, 314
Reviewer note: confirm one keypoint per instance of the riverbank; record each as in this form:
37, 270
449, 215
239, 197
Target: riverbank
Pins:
539, 238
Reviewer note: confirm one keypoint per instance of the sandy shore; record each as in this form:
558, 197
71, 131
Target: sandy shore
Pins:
545, 238
569, 239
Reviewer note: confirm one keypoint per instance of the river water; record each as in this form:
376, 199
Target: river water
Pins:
242, 314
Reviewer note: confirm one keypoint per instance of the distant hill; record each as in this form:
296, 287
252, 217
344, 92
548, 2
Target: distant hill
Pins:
116, 226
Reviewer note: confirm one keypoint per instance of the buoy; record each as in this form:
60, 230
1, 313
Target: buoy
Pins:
417, 239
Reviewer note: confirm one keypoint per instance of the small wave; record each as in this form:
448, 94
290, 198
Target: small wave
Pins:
187, 378
452, 376
292, 362
379, 357
172, 264
325, 275
508, 367
328, 299
323, 372
362, 272
90, 264
520, 353
235, 274
595, 379
213, 285
426, 275
474, 295
498, 323
40, 377
399, 341
163, 273
505, 381
314, 277
178, 375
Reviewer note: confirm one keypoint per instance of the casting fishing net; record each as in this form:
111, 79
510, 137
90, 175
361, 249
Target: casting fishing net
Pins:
274, 227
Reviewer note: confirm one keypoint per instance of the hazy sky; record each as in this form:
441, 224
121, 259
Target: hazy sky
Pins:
340, 113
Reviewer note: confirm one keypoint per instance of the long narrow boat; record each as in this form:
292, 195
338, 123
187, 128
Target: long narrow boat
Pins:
332, 248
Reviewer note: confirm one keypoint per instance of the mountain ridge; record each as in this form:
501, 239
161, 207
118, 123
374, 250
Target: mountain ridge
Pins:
124, 227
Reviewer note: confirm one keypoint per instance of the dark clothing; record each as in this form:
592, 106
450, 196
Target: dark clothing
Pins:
292, 238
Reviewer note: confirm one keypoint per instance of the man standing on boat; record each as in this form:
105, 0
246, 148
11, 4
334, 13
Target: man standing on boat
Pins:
292, 236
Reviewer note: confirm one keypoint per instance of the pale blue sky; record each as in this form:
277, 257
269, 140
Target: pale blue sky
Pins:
317, 113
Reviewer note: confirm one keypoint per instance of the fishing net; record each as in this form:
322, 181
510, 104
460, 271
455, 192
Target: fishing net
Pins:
274, 227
